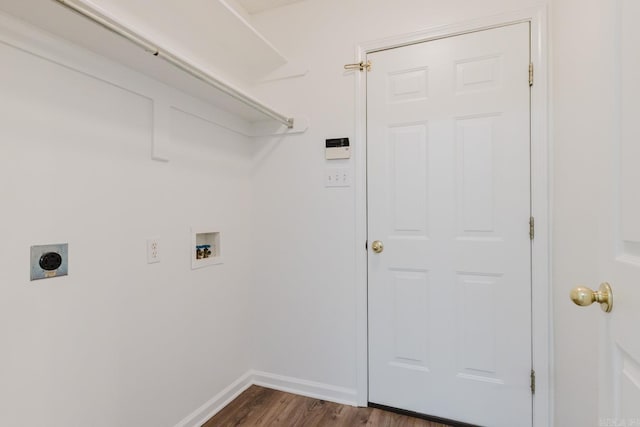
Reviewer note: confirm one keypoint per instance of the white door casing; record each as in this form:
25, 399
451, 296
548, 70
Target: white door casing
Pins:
449, 196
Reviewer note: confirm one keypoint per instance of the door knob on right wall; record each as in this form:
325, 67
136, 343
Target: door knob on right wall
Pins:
584, 296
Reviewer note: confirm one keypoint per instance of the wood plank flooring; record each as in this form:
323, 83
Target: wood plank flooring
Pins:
259, 406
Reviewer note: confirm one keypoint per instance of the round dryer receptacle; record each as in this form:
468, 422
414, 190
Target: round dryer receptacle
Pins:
50, 261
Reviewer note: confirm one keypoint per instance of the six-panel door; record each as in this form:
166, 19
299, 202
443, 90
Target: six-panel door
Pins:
448, 147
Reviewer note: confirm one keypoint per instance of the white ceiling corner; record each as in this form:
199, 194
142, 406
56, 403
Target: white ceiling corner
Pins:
256, 6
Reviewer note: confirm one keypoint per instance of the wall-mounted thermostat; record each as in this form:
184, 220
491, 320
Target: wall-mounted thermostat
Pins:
337, 148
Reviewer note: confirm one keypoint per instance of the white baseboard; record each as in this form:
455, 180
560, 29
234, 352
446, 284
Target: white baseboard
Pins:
330, 393
216, 403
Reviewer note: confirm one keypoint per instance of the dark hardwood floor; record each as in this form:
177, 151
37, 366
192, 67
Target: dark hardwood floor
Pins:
259, 406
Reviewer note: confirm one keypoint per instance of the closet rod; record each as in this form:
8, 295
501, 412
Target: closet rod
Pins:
177, 62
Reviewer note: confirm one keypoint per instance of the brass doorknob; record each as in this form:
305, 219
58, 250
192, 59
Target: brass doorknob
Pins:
583, 296
377, 246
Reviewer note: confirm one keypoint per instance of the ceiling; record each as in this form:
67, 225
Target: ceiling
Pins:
255, 6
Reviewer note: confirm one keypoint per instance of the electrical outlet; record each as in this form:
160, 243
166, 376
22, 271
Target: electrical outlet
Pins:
337, 177
153, 250
49, 261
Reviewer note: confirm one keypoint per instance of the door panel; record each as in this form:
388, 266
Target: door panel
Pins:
449, 195
620, 241
408, 154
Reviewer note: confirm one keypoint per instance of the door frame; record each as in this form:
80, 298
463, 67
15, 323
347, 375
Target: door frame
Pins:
540, 198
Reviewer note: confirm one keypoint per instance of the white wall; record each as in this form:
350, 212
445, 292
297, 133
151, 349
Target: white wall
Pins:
118, 342
305, 244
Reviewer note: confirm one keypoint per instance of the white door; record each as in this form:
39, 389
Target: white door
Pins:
449, 198
619, 206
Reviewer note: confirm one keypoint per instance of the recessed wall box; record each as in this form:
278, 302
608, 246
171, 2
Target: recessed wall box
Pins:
205, 247
49, 261
337, 148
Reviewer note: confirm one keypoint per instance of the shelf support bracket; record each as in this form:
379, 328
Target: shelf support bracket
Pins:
161, 130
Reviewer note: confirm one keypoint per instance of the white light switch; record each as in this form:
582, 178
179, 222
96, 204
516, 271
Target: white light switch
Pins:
337, 177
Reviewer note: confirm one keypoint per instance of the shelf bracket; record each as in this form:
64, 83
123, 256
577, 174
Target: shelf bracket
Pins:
161, 130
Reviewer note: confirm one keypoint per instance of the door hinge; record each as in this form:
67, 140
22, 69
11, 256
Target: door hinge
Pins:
530, 73
533, 382
532, 228
359, 66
